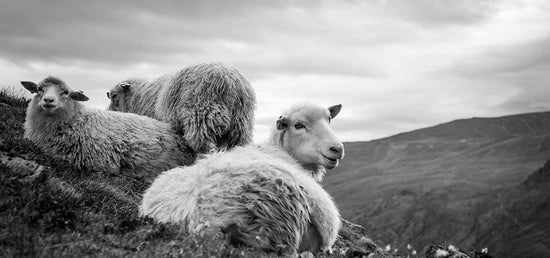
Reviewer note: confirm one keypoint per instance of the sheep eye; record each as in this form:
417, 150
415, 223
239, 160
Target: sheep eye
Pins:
113, 96
299, 126
65, 92
40, 88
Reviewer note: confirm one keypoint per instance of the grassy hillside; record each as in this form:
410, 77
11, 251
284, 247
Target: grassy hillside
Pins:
439, 185
49, 209
516, 220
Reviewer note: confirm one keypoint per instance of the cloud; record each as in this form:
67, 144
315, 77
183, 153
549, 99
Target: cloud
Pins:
521, 67
285, 36
507, 59
442, 12
394, 65
86, 30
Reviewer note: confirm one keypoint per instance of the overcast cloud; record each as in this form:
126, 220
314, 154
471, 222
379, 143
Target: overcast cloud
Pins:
395, 65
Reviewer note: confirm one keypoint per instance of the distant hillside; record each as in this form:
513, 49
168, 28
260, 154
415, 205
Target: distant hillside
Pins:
453, 183
516, 220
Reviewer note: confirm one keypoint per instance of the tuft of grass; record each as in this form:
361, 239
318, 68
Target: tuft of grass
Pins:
13, 98
12, 115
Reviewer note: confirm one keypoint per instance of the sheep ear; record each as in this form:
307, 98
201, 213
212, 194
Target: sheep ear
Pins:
334, 110
30, 86
282, 123
108, 95
78, 96
125, 86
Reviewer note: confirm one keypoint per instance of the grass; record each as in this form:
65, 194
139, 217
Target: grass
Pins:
50, 209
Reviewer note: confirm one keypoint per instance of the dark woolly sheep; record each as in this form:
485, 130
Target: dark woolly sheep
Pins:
211, 105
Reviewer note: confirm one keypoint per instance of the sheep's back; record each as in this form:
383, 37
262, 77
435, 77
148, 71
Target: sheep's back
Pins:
271, 159
205, 83
151, 144
77, 140
258, 194
106, 141
142, 98
267, 206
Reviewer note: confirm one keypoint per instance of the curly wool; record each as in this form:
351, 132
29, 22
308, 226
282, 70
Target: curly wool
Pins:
267, 195
106, 141
212, 105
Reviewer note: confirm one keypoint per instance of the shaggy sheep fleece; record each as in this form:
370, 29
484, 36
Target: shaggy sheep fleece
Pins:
259, 194
211, 105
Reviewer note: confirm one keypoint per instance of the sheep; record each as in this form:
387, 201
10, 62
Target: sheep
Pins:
211, 105
303, 132
104, 141
266, 196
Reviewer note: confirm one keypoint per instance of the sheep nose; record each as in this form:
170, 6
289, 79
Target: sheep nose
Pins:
48, 99
337, 149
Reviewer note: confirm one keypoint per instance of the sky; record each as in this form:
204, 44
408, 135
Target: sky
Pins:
394, 65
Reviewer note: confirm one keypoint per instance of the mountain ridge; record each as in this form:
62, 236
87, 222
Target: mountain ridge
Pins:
427, 185
543, 114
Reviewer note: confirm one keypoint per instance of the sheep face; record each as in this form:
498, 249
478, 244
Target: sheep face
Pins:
53, 96
307, 136
118, 95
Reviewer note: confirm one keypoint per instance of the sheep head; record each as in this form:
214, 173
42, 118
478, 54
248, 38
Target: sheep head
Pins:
304, 132
53, 96
119, 93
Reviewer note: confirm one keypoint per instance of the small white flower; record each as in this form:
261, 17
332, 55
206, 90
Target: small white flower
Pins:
409, 246
306, 254
413, 252
485, 250
388, 248
343, 251
441, 253
452, 248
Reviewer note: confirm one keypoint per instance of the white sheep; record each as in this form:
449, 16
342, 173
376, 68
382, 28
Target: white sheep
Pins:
211, 105
265, 196
99, 140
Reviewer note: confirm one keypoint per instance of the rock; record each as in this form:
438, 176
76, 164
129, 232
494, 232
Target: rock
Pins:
353, 241
306, 254
29, 170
